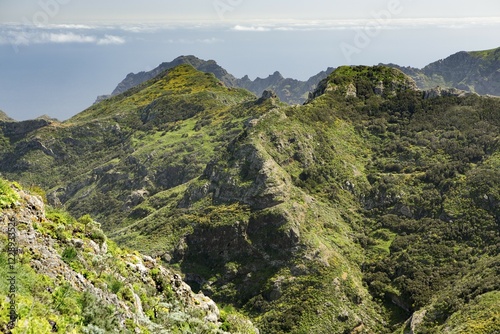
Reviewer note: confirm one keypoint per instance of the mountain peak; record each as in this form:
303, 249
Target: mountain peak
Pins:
210, 66
277, 74
153, 98
290, 91
47, 118
364, 81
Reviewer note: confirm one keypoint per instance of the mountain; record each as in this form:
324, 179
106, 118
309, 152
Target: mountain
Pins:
69, 278
288, 90
477, 71
372, 208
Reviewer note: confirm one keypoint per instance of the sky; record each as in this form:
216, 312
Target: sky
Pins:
57, 56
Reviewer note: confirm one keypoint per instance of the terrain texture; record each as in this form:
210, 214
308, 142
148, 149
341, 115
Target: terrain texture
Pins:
372, 208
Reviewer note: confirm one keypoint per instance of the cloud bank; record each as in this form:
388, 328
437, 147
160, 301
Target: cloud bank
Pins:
29, 35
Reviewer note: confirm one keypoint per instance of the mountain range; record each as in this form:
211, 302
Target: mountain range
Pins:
373, 207
477, 72
288, 90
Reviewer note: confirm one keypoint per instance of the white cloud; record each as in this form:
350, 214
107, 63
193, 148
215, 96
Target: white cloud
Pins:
71, 26
391, 23
28, 35
211, 40
110, 39
250, 28
63, 38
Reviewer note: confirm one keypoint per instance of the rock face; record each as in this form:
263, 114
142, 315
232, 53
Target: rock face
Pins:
288, 90
477, 72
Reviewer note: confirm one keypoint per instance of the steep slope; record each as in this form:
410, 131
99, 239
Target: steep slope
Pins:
68, 278
477, 71
371, 204
432, 210
288, 90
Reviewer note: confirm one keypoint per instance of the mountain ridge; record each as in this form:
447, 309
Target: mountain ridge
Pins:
288, 90
474, 71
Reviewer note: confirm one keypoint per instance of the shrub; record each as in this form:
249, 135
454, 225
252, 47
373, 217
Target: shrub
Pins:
69, 254
7, 195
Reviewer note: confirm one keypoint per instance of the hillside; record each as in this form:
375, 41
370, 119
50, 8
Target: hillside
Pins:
374, 207
288, 90
477, 71
68, 278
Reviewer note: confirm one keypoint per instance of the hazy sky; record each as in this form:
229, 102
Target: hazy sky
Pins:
159, 10
56, 56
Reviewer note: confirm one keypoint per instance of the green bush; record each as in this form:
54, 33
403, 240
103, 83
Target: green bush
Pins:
8, 196
97, 315
98, 236
69, 254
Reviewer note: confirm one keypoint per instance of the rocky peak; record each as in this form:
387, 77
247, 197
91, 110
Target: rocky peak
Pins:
289, 90
277, 76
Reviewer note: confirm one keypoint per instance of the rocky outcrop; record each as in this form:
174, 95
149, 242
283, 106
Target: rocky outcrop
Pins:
438, 92
266, 95
270, 185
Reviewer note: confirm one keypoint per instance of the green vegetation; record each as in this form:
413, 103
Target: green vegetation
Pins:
351, 213
8, 196
492, 54
66, 283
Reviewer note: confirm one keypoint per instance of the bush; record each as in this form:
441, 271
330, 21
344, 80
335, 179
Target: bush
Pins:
69, 254
8, 196
97, 315
98, 236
